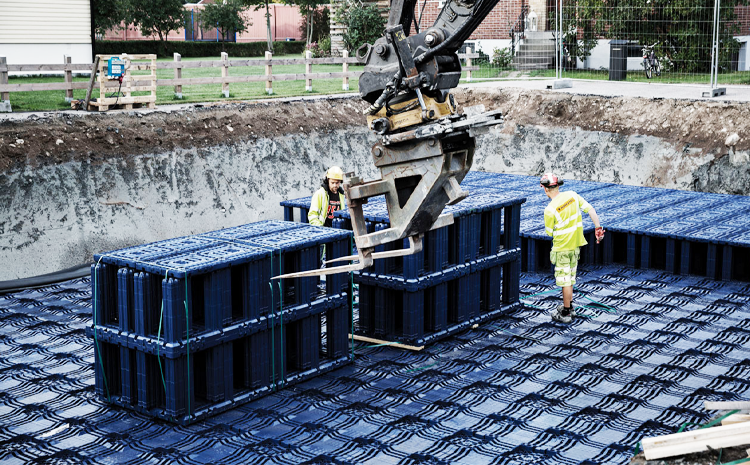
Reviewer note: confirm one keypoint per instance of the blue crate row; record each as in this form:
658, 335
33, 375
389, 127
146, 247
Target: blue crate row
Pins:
678, 250
177, 347
423, 310
225, 277
484, 224
209, 380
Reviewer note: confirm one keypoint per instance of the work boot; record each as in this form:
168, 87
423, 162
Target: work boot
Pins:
558, 316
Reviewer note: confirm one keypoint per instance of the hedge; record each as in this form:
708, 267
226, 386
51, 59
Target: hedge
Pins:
194, 49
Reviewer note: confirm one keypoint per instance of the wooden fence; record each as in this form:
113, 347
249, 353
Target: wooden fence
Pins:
178, 81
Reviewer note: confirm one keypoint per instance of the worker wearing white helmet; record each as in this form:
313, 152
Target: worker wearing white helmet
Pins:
328, 199
564, 222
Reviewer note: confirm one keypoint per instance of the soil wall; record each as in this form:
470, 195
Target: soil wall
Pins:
72, 185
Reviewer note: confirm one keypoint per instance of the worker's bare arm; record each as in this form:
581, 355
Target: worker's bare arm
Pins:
594, 217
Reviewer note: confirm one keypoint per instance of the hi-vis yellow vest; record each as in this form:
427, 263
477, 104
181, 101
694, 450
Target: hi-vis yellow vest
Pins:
564, 222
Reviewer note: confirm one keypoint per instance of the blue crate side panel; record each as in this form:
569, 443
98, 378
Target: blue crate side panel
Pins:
125, 299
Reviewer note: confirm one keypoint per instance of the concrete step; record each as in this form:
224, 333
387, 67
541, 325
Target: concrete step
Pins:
527, 67
537, 48
539, 35
533, 59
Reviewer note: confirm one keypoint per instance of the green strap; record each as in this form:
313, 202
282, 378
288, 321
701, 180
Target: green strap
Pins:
734, 462
719, 420
273, 343
281, 322
351, 304
187, 332
281, 330
606, 307
531, 305
96, 339
540, 293
158, 338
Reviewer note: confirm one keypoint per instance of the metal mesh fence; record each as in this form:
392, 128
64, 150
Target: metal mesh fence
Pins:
666, 41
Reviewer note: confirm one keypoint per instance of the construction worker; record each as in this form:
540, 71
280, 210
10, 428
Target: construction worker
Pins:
328, 199
564, 222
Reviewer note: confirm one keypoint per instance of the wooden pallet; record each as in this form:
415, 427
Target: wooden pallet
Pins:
130, 83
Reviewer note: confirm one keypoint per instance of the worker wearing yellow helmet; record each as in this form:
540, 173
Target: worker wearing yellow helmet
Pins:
328, 199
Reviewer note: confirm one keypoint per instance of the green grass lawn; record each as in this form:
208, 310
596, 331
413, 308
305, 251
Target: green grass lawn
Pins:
55, 99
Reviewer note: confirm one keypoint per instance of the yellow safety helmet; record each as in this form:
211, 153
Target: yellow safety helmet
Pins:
335, 172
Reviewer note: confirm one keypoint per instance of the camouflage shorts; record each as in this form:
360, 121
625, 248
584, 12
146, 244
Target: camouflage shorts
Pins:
566, 266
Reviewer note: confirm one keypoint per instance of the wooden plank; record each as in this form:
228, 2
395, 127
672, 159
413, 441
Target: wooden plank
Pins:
269, 74
91, 83
31, 87
380, 341
308, 71
140, 82
50, 67
190, 64
178, 75
258, 62
131, 57
123, 100
225, 74
736, 418
741, 405
699, 440
4, 96
68, 79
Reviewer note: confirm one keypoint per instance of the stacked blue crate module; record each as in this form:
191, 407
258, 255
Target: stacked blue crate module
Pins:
188, 327
466, 273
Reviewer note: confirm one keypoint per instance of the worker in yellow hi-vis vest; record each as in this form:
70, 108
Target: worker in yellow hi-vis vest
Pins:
564, 222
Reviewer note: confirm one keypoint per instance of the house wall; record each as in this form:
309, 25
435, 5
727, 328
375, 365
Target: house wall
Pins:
43, 31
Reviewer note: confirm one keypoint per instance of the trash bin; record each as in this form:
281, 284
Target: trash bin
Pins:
618, 60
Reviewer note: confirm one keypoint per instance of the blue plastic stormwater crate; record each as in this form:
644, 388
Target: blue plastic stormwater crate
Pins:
479, 229
207, 380
210, 297
424, 310
128, 295
299, 249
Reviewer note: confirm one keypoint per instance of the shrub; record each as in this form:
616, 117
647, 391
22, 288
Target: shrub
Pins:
321, 49
502, 58
364, 24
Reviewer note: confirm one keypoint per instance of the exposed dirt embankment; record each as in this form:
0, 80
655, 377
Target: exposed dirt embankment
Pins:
58, 138
680, 143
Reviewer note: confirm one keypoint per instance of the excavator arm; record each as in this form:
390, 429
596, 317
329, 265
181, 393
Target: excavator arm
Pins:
426, 147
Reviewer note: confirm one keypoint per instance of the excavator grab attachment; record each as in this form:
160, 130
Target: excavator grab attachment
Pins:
426, 147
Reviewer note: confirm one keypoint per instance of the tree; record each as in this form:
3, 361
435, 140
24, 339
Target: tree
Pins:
307, 9
109, 14
226, 16
364, 24
320, 27
157, 17
682, 29
258, 4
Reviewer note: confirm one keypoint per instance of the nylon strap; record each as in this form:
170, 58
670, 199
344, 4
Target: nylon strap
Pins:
96, 339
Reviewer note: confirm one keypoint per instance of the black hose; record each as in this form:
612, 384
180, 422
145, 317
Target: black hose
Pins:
34, 282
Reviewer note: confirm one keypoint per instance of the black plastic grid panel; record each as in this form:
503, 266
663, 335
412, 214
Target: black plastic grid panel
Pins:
521, 389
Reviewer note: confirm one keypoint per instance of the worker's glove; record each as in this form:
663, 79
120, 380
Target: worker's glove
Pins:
599, 234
